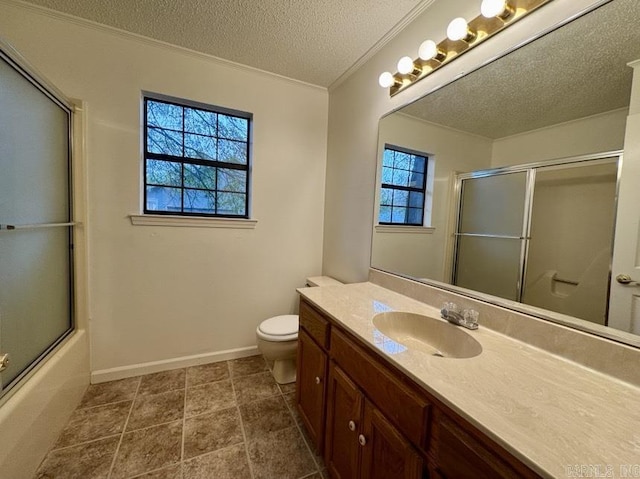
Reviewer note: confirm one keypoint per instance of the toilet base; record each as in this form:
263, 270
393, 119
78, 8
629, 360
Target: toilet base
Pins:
284, 371
283, 355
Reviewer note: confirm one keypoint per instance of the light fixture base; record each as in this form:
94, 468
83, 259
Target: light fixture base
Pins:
478, 30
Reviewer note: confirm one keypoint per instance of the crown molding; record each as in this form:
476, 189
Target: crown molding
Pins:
390, 35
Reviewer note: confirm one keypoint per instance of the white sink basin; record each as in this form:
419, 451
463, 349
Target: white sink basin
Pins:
430, 335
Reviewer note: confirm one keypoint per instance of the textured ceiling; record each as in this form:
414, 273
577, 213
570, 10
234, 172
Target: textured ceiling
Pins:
315, 41
576, 71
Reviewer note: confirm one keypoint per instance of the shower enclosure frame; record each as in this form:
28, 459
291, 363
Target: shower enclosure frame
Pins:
525, 237
15, 60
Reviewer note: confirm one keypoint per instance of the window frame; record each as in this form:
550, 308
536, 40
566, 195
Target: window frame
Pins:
185, 160
423, 189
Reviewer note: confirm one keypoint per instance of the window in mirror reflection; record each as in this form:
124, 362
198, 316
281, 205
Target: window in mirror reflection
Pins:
403, 188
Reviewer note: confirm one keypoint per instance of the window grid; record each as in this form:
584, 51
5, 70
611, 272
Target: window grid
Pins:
403, 187
173, 167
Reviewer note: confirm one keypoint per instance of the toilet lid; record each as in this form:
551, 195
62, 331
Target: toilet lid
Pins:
280, 325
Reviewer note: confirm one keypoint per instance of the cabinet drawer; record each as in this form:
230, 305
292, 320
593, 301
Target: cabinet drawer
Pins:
405, 408
314, 324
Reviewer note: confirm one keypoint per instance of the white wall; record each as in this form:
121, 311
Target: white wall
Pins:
594, 134
356, 105
410, 253
159, 293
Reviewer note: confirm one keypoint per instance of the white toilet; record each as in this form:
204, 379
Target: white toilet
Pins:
278, 342
278, 338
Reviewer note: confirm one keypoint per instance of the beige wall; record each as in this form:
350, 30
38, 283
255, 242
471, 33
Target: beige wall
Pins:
594, 134
160, 293
422, 255
356, 105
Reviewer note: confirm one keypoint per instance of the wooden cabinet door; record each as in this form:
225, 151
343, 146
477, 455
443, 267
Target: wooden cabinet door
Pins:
385, 453
311, 387
344, 418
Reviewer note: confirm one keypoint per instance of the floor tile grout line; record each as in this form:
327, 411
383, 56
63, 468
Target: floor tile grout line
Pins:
145, 395
153, 470
124, 428
211, 411
84, 443
108, 436
51, 449
153, 425
184, 423
203, 455
297, 425
101, 405
244, 434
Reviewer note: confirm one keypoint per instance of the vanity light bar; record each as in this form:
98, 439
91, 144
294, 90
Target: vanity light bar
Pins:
462, 36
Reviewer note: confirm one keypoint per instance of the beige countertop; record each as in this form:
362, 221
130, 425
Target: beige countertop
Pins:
553, 414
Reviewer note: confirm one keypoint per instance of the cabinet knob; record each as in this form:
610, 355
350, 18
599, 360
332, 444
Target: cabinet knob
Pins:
352, 426
362, 440
317, 380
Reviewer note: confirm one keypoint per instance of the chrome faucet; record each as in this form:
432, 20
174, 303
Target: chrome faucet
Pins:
468, 318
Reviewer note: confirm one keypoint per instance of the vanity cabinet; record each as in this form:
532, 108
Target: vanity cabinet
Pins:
311, 387
370, 421
311, 378
360, 441
344, 420
460, 455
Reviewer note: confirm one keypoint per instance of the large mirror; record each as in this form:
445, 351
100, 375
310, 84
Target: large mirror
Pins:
517, 182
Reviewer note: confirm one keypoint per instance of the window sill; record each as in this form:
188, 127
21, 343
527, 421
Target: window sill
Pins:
424, 230
192, 221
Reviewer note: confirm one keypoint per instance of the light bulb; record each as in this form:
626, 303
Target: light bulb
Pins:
405, 65
386, 80
493, 8
428, 49
458, 29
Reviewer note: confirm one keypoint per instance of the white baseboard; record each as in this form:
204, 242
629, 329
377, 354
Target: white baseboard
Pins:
103, 375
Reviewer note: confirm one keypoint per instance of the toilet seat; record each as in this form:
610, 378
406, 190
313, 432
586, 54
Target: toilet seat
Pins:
279, 328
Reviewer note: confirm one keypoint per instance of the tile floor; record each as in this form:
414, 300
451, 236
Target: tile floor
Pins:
226, 420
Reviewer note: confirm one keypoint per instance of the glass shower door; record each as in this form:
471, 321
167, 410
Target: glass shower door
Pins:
35, 221
569, 255
491, 234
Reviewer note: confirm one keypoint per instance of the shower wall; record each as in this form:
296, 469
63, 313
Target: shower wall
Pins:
571, 239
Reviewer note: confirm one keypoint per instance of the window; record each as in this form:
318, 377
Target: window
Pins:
402, 193
196, 159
